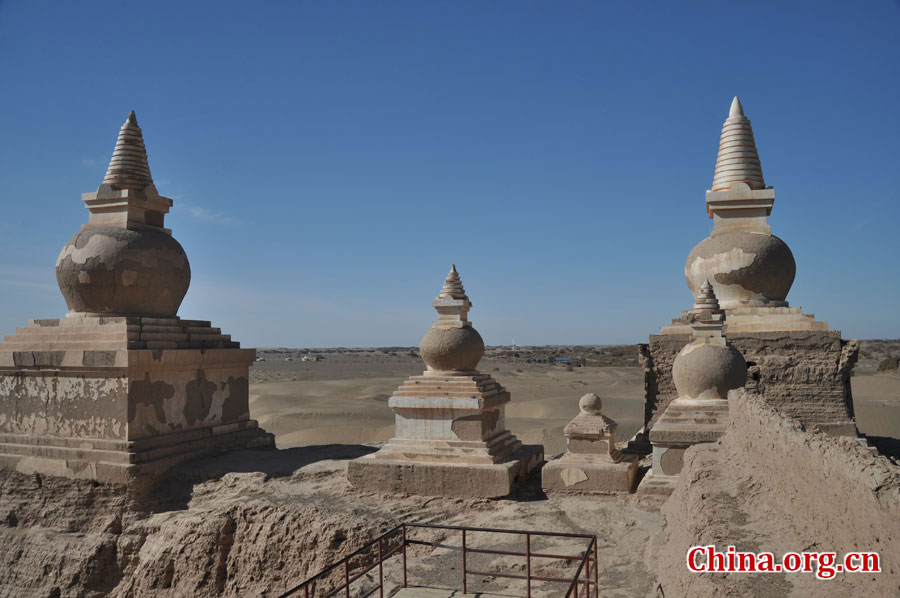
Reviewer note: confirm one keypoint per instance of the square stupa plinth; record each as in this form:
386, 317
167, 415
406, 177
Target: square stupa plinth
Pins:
122, 389
591, 464
450, 436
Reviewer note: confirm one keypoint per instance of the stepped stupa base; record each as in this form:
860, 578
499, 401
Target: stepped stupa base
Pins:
121, 399
762, 318
685, 423
125, 462
450, 440
432, 478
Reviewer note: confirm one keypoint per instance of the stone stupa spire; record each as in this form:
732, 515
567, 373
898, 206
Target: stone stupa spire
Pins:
453, 286
452, 304
738, 160
128, 168
706, 299
127, 197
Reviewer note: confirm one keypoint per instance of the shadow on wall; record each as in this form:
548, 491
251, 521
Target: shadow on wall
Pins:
177, 486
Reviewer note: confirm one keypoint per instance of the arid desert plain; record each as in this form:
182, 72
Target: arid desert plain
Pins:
342, 397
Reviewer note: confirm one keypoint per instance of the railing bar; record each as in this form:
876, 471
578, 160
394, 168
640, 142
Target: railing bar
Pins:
596, 566
435, 544
465, 589
380, 570
528, 563
513, 553
404, 543
500, 531
347, 578
514, 576
370, 592
543, 555
330, 568
574, 584
392, 552
587, 575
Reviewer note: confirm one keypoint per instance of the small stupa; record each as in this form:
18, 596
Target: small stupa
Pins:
797, 363
591, 464
450, 434
704, 371
122, 389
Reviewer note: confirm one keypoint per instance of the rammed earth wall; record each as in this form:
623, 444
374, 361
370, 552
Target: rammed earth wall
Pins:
806, 374
770, 485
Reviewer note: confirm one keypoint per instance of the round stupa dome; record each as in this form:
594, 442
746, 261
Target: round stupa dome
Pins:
745, 268
452, 349
591, 403
114, 270
704, 370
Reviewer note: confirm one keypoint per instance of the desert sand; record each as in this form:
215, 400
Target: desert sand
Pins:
342, 399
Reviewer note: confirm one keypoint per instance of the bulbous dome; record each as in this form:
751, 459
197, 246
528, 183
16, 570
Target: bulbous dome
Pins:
744, 268
591, 403
708, 370
449, 349
114, 270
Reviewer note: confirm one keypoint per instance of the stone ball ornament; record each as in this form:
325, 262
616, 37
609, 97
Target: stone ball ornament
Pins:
708, 370
115, 270
591, 403
452, 349
745, 268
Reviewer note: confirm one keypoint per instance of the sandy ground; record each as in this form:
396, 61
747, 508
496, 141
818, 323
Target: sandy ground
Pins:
342, 399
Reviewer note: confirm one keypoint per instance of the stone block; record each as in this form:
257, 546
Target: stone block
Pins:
590, 476
444, 479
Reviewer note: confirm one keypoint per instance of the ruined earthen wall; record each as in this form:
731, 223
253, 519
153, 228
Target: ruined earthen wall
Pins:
771, 485
804, 373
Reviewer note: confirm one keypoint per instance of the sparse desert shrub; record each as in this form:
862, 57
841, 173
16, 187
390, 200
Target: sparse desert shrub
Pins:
888, 365
569, 367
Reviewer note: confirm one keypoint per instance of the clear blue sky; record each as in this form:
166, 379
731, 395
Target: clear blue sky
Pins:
330, 160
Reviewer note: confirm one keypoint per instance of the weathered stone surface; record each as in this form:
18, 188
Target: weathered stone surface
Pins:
569, 474
122, 389
591, 463
450, 421
768, 484
805, 374
114, 270
745, 268
445, 349
431, 478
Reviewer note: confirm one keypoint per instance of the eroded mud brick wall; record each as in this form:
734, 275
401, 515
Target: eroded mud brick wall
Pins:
805, 374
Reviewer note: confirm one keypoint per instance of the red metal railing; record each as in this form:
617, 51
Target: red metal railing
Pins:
582, 585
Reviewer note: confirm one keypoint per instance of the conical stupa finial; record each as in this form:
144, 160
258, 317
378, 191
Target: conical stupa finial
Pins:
128, 168
738, 161
453, 285
706, 298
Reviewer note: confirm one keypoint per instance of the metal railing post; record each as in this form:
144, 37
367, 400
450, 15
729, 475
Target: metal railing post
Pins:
528, 563
306, 591
465, 589
380, 570
404, 554
347, 578
596, 566
587, 573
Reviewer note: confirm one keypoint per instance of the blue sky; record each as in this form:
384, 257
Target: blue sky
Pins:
330, 160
